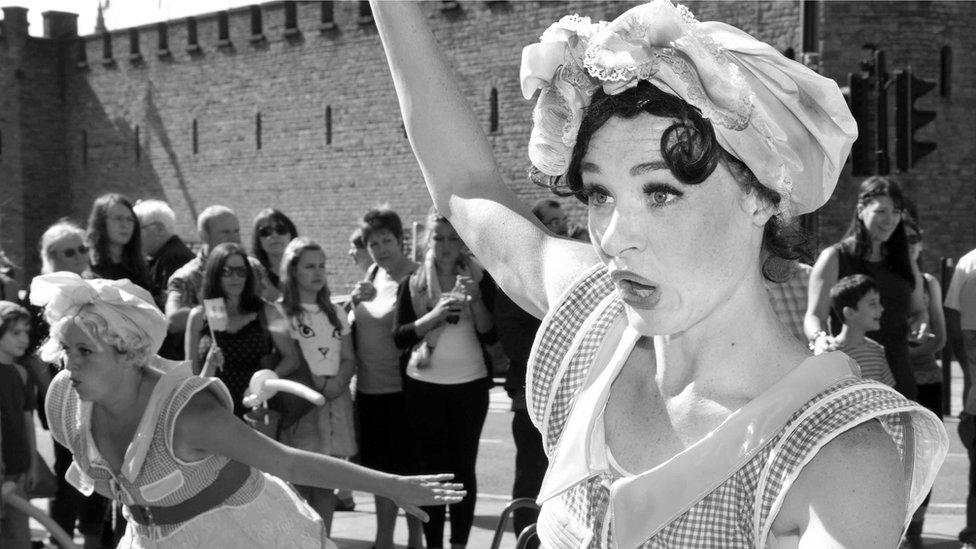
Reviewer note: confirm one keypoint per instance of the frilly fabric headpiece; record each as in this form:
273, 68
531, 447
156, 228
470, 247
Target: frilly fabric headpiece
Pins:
128, 309
788, 124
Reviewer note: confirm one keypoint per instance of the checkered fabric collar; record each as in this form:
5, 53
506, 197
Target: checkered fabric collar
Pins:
643, 504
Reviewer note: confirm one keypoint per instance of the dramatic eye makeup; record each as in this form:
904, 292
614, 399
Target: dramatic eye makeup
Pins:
661, 194
596, 195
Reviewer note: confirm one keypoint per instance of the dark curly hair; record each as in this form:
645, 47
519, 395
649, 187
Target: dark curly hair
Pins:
692, 152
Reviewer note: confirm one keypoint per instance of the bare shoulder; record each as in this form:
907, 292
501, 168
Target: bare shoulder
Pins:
201, 414
195, 317
829, 258
851, 494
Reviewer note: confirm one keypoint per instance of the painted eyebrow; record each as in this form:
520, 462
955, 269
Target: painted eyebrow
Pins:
648, 167
640, 169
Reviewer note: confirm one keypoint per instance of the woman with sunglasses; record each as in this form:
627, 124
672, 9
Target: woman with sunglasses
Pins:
273, 231
875, 246
63, 249
115, 241
924, 343
246, 336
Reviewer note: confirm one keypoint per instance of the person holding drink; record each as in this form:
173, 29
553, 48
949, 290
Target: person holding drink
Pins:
442, 319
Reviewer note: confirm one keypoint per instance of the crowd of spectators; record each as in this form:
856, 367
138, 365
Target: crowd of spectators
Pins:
415, 347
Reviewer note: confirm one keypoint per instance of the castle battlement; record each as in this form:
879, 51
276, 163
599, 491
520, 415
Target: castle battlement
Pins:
290, 104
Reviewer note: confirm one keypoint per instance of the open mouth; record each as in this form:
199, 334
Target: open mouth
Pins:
635, 290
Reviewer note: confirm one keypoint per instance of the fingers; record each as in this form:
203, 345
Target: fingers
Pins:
415, 511
439, 477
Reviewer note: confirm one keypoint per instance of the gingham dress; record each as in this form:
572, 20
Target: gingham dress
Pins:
263, 512
738, 509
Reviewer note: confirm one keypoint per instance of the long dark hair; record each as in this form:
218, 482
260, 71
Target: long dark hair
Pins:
98, 241
216, 260
692, 152
290, 299
269, 217
894, 252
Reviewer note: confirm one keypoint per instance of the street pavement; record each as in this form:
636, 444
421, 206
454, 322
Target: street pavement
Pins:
355, 529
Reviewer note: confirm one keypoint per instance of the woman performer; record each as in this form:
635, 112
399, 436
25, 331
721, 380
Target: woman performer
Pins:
676, 410
165, 443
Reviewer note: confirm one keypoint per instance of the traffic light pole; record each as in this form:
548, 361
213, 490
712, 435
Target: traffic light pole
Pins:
882, 162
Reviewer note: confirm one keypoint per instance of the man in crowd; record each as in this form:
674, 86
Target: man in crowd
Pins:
216, 225
166, 253
960, 313
551, 214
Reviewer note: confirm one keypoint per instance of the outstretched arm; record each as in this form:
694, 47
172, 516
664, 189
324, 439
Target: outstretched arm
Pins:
206, 426
529, 263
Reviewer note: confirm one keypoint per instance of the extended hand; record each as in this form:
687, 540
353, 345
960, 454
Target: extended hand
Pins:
363, 291
412, 492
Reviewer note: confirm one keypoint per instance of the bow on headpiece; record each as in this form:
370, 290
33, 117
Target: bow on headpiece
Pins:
128, 309
788, 124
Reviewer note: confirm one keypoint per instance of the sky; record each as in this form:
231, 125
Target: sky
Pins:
120, 14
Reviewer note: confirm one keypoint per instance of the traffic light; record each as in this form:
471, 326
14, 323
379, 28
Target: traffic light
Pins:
858, 95
908, 119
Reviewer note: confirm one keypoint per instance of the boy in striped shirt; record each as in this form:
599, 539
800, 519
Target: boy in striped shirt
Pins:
856, 301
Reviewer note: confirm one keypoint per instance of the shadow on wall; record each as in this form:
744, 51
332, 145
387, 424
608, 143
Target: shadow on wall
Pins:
106, 151
155, 123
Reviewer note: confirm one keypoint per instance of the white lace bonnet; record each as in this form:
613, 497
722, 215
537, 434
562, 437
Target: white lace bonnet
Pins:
128, 309
789, 125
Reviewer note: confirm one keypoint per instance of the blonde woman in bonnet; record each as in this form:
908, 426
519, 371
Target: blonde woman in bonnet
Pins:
675, 408
165, 444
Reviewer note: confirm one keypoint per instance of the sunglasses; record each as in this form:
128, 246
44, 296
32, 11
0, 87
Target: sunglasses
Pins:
269, 230
913, 238
240, 272
70, 252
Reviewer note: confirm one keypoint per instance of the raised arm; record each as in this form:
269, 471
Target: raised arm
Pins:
191, 339
529, 263
822, 277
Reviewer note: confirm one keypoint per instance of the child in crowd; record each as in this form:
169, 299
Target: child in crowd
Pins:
856, 301
16, 422
323, 334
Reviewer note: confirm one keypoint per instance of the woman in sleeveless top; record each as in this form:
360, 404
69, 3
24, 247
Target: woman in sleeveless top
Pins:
676, 409
443, 316
164, 443
874, 246
387, 439
243, 338
924, 344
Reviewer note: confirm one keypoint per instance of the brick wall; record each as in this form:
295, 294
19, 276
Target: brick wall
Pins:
290, 81
942, 183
